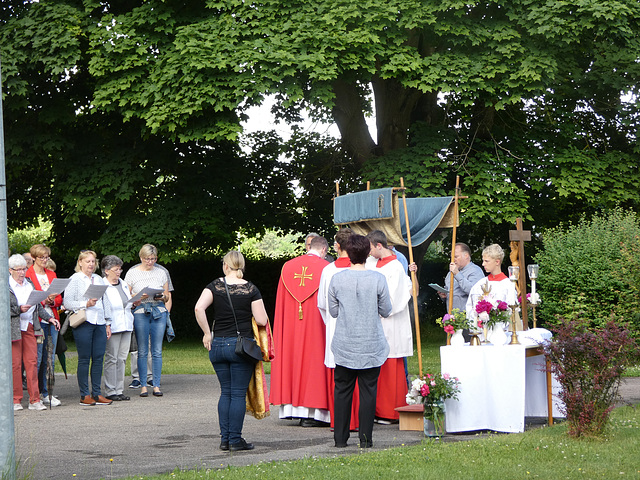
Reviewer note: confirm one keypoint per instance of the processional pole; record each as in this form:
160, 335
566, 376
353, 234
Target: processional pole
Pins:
414, 281
453, 249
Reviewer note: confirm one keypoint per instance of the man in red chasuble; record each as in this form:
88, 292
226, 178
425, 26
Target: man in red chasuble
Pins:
300, 381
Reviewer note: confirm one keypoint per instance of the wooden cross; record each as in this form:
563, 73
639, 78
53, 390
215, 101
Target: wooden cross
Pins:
519, 235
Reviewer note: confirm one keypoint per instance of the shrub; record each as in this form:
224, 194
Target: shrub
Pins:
591, 270
589, 364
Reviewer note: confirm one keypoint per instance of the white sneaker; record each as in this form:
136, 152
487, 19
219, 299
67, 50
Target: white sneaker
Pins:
37, 406
16, 407
54, 401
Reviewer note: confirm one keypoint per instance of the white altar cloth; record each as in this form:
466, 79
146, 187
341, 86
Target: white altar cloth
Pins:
499, 386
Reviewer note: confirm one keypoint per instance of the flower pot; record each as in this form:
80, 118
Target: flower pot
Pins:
457, 340
497, 335
434, 419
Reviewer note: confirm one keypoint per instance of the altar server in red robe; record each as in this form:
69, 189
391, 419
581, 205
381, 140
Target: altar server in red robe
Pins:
329, 271
392, 382
300, 381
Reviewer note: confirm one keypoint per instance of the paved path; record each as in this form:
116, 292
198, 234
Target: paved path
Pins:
147, 436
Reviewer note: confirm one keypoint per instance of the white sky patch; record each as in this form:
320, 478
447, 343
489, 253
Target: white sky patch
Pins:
261, 119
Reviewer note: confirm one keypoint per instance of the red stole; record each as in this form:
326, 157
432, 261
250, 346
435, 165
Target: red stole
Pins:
383, 261
496, 278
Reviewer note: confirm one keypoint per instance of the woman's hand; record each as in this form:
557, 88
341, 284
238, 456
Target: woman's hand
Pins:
108, 332
92, 302
25, 308
206, 341
55, 322
51, 299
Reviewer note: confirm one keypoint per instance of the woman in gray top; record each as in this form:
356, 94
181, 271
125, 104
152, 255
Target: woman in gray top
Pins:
357, 299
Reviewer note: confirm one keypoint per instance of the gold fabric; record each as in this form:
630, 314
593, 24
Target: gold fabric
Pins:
258, 393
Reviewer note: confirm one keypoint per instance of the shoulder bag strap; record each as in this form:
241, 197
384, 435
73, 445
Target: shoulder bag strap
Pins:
231, 303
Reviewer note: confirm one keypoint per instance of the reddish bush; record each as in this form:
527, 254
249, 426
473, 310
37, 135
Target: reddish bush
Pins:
589, 364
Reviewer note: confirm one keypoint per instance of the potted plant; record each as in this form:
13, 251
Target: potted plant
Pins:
432, 391
453, 324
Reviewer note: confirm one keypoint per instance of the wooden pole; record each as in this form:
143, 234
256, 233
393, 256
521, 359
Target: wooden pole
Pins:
414, 280
453, 249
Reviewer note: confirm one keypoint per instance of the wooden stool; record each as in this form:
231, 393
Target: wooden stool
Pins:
411, 417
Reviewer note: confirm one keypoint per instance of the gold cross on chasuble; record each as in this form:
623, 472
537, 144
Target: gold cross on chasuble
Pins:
303, 276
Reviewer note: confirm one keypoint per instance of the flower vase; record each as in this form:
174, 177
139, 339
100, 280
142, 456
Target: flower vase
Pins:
457, 340
498, 336
434, 420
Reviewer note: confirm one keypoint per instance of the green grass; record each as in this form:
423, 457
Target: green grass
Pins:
190, 357
544, 453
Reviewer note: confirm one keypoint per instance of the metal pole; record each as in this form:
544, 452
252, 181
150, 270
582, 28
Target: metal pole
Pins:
7, 432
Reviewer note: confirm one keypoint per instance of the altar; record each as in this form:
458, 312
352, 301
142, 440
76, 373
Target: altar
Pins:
499, 387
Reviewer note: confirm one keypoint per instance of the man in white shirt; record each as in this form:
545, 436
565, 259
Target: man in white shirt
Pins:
392, 382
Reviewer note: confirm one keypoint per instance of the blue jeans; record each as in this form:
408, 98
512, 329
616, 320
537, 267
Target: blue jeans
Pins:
147, 326
91, 341
234, 374
49, 330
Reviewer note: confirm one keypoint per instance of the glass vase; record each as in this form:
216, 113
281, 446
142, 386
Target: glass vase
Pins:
434, 419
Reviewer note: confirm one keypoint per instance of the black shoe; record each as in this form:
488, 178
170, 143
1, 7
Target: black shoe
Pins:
341, 445
144, 394
224, 445
157, 394
124, 397
310, 422
242, 445
366, 444
114, 398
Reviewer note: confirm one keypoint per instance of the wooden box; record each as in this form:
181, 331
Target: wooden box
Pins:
411, 417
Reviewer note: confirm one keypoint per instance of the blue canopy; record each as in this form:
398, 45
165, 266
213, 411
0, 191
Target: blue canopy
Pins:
380, 209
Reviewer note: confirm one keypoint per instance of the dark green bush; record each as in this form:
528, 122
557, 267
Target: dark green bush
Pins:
590, 270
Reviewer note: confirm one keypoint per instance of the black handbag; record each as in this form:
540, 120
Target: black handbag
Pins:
245, 347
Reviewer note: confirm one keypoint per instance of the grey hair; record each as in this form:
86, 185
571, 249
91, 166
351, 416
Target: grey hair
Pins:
17, 261
110, 261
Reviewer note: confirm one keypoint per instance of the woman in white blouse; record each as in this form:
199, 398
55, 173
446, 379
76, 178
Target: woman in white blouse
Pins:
91, 335
149, 316
115, 356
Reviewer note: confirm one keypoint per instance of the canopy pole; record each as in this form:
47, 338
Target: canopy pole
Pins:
453, 249
414, 281
337, 189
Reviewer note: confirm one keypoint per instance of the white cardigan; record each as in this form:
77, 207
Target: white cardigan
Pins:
121, 317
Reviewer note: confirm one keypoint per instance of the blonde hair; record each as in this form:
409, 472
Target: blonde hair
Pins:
51, 265
39, 250
494, 251
84, 254
148, 249
235, 261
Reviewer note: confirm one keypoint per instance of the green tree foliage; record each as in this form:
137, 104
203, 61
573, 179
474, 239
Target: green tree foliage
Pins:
523, 99
20, 241
587, 273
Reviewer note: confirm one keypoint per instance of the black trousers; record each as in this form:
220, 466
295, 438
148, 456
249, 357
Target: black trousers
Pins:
345, 381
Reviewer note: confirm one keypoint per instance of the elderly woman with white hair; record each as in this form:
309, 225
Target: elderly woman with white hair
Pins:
150, 313
25, 327
117, 349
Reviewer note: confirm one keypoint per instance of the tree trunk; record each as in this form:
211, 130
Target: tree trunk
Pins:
348, 113
394, 107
